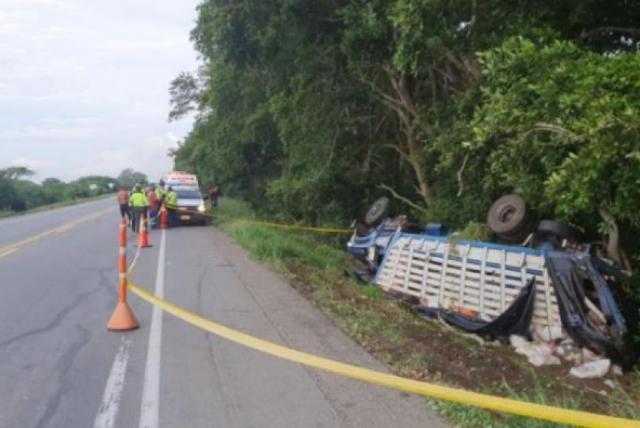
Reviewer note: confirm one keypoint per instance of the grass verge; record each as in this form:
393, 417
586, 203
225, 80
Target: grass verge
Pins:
413, 347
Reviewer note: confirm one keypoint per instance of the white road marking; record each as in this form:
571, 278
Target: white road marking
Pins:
151, 391
132, 266
108, 411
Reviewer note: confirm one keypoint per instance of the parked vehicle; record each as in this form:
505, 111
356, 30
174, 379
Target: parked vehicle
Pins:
551, 286
180, 178
191, 207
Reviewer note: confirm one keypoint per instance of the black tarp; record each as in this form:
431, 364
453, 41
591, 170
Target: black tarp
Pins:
516, 319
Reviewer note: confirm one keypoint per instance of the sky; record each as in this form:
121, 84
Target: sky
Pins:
84, 84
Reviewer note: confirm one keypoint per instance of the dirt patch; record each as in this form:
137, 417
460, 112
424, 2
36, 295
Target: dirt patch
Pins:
428, 350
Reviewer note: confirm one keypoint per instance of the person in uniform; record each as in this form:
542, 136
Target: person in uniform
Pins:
171, 202
139, 205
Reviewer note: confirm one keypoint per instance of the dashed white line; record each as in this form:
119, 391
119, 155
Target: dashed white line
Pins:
108, 410
149, 417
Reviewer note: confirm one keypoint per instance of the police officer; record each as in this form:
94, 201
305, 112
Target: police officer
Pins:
160, 192
139, 204
171, 202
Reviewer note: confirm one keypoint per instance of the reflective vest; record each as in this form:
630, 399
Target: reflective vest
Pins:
138, 200
172, 198
160, 193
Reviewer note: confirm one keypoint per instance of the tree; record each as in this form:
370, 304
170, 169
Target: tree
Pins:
561, 125
129, 178
16, 172
310, 109
8, 196
184, 91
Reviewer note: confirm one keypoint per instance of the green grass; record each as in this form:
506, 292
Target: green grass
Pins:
277, 246
48, 207
474, 417
229, 209
280, 248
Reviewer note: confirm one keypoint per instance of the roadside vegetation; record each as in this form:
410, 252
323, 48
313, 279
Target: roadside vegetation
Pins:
411, 346
311, 109
19, 195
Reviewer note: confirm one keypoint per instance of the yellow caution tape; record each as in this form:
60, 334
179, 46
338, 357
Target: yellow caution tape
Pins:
296, 226
269, 223
490, 402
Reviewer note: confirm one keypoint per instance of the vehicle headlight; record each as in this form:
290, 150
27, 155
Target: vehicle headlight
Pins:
201, 208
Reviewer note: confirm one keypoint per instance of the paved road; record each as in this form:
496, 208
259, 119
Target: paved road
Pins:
60, 367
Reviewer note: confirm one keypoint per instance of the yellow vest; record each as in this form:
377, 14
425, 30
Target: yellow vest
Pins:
172, 198
138, 200
160, 193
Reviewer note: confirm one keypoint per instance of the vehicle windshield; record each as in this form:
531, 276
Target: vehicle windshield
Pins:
188, 194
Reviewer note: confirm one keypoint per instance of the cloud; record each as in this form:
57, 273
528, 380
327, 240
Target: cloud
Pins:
65, 4
49, 134
58, 96
84, 84
149, 157
32, 164
172, 137
127, 46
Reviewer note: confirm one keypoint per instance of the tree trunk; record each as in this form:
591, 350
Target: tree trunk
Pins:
413, 157
399, 100
614, 252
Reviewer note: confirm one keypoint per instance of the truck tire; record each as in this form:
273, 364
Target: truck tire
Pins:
519, 237
377, 212
508, 216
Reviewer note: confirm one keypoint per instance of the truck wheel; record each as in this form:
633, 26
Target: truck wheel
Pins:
519, 237
377, 212
552, 228
508, 215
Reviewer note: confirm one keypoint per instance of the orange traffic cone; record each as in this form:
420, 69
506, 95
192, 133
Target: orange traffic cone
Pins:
143, 237
122, 318
163, 218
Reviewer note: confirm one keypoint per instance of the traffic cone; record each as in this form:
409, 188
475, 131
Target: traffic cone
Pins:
122, 246
163, 218
143, 236
122, 318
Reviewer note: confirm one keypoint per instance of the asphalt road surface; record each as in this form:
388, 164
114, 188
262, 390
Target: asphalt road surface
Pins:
60, 367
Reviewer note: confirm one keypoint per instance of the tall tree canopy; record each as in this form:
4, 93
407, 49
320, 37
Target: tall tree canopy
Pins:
129, 178
311, 108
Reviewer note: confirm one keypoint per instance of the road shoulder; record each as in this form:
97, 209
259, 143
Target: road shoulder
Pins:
303, 326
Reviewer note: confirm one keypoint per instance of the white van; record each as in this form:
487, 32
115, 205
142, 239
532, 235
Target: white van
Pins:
191, 204
180, 178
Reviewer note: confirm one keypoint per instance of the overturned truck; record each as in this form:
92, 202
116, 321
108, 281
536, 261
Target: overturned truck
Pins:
550, 288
